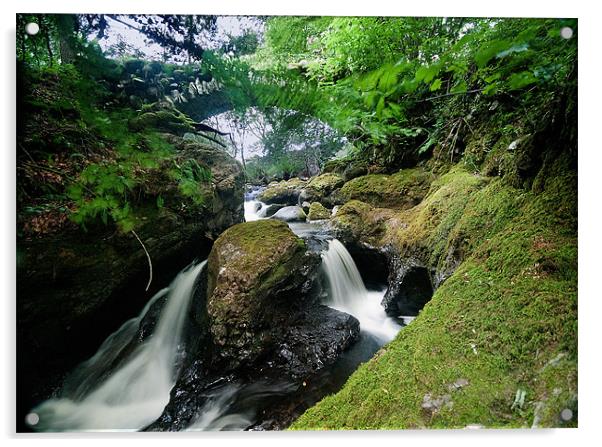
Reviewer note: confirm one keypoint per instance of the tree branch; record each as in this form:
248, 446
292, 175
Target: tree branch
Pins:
150, 264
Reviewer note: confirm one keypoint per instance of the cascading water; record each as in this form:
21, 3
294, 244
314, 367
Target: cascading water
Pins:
251, 210
128, 396
348, 294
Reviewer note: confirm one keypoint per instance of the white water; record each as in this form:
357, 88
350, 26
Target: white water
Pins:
348, 294
131, 395
250, 213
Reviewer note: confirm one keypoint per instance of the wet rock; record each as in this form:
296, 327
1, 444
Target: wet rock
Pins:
259, 277
315, 340
270, 210
290, 214
305, 205
410, 288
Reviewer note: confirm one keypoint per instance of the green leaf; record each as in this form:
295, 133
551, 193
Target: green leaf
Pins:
426, 73
490, 51
460, 87
436, 85
380, 106
521, 80
160, 202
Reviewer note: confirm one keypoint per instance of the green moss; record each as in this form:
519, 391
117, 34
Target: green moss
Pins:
505, 320
324, 184
284, 192
317, 211
404, 189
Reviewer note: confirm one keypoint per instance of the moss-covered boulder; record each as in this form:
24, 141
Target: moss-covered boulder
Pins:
258, 277
404, 189
284, 192
321, 187
317, 211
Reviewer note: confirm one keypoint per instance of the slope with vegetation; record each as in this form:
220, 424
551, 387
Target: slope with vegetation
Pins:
448, 144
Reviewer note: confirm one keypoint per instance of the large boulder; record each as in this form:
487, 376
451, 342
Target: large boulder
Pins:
290, 214
403, 189
286, 191
317, 211
259, 276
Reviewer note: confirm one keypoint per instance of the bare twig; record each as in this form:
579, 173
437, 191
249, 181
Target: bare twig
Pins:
150, 264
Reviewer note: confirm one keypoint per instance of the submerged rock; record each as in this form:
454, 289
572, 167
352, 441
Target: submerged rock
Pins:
290, 214
318, 212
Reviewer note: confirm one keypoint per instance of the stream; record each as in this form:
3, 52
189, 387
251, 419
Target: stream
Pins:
122, 388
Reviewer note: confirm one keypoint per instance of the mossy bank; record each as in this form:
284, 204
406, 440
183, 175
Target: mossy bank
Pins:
496, 346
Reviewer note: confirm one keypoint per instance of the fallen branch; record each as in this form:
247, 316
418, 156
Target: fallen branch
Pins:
150, 264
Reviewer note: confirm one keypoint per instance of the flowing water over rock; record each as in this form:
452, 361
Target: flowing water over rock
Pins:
127, 383
109, 393
348, 294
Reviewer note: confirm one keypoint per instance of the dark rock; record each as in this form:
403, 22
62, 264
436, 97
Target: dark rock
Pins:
314, 340
410, 288
353, 171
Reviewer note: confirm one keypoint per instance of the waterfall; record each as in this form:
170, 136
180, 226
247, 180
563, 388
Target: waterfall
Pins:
348, 294
251, 211
128, 396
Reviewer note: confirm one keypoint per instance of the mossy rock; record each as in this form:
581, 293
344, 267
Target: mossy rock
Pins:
324, 184
256, 272
317, 211
503, 322
283, 192
404, 189
171, 121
